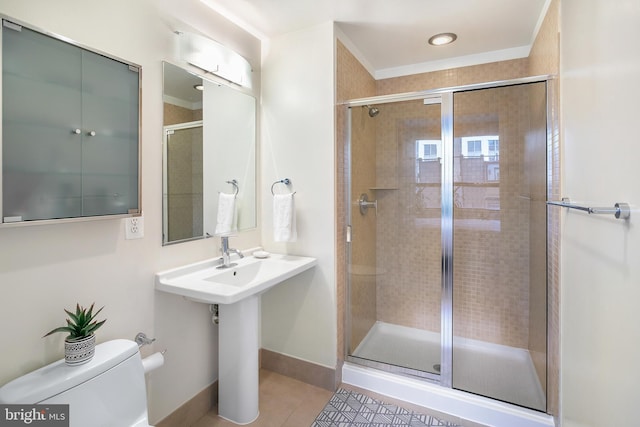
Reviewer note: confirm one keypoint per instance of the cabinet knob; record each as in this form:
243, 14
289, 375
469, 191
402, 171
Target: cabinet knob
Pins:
77, 131
92, 133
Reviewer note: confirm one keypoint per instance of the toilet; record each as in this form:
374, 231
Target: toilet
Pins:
108, 391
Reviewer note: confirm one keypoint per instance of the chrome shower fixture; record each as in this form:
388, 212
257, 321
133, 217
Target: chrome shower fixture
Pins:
373, 111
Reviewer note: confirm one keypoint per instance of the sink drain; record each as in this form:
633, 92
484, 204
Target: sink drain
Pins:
436, 367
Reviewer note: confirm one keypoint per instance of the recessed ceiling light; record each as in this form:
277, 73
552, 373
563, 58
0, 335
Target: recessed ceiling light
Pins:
442, 38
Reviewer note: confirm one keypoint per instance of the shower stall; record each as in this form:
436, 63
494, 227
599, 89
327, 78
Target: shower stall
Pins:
447, 238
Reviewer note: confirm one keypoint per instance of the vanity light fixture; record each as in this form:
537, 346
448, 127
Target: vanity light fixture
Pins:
442, 39
198, 87
214, 58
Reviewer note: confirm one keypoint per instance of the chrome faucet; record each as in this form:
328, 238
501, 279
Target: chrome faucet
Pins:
226, 256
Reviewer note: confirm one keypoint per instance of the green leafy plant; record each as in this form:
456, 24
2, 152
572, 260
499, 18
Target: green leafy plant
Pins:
80, 324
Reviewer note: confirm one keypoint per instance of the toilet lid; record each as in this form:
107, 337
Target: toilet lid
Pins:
58, 377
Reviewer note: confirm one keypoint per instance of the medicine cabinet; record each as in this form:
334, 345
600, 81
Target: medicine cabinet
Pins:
70, 130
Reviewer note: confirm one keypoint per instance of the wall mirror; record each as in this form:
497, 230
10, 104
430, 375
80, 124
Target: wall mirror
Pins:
209, 141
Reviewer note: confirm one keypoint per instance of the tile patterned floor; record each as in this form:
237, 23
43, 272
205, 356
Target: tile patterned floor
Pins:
348, 408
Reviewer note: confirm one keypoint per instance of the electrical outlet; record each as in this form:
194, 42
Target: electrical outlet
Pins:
134, 227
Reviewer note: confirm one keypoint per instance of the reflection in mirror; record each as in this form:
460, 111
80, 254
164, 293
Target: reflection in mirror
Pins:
182, 179
209, 140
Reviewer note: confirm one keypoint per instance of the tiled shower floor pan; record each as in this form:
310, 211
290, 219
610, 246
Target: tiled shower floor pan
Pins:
492, 370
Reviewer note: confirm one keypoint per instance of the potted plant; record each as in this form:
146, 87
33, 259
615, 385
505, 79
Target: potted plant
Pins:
79, 345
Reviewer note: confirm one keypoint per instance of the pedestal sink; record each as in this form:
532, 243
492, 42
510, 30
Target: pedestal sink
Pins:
236, 289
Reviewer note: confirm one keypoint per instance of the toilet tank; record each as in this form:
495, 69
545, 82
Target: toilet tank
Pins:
108, 391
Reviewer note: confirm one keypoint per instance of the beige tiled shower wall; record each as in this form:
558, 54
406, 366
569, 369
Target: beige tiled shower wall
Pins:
174, 114
494, 71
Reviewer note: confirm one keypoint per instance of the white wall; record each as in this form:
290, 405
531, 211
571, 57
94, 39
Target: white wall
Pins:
299, 316
600, 287
44, 269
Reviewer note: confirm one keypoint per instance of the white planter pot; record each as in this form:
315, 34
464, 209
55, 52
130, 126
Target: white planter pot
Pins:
77, 352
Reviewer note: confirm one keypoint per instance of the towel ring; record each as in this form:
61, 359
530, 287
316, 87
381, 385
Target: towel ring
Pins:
285, 181
234, 182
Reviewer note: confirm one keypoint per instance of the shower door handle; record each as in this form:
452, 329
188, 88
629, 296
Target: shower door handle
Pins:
348, 234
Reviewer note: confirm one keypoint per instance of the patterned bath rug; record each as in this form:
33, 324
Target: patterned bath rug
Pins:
351, 409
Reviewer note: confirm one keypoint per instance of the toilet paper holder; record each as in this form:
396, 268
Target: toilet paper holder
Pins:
142, 339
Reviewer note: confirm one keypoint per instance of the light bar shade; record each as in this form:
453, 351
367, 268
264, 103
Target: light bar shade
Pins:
215, 58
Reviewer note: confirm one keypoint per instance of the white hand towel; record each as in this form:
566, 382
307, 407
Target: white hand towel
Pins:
284, 218
226, 221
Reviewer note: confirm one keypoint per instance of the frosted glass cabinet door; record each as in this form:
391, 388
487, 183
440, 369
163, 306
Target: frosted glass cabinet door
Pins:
70, 130
41, 102
110, 147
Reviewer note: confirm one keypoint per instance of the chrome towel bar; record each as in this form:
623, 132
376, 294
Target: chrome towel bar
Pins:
620, 210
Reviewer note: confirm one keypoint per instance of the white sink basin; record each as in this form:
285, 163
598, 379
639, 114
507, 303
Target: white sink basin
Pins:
236, 289
203, 282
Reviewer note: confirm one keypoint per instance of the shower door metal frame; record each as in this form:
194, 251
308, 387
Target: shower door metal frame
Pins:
445, 95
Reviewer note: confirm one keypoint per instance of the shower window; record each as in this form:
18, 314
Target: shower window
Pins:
487, 147
429, 149
474, 148
494, 150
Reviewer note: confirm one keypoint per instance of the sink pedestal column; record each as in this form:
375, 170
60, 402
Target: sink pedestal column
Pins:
238, 343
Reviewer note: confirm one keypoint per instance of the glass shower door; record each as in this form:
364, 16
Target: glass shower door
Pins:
183, 182
499, 250
395, 271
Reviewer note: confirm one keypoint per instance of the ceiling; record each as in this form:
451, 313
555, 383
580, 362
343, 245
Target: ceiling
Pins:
179, 87
390, 36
